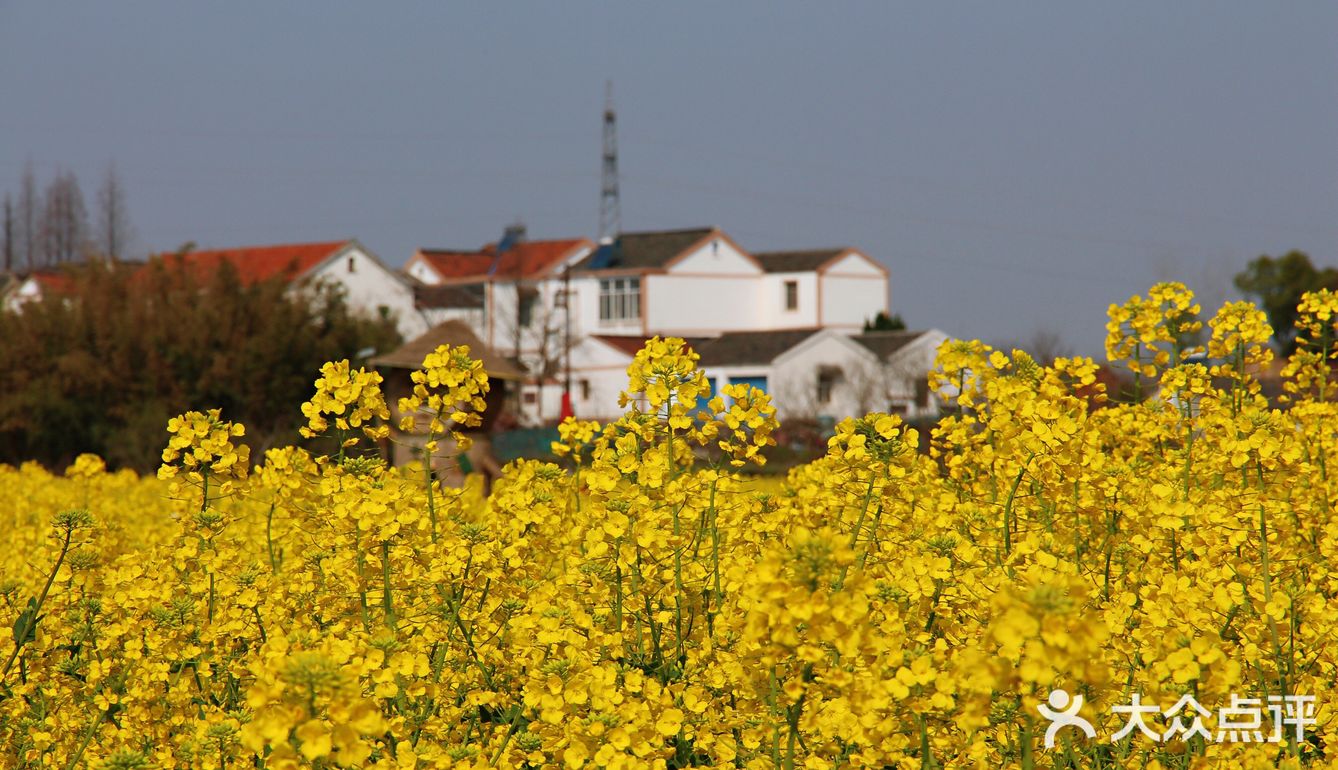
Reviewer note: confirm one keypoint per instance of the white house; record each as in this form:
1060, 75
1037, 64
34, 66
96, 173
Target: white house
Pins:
808, 372
369, 287
18, 291
905, 358
515, 300
780, 320
700, 282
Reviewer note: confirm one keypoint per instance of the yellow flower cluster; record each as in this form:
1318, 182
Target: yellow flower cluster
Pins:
1153, 333
352, 397
904, 601
1310, 371
746, 423
450, 388
201, 444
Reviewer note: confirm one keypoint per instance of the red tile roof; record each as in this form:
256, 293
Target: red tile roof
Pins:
260, 263
631, 345
61, 283
530, 259
628, 345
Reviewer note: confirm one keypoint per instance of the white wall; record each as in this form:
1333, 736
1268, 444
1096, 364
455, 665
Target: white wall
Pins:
853, 290
17, 296
419, 269
856, 391
605, 369
772, 302
701, 306
908, 367
715, 257
370, 286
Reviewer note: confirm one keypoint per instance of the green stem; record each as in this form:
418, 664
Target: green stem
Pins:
386, 606
1008, 506
21, 635
87, 739
269, 538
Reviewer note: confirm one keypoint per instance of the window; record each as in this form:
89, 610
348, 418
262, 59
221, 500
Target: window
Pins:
791, 295
352, 264
827, 378
619, 299
525, 313
585, 390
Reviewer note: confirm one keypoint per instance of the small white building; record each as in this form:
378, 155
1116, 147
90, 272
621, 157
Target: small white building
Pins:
368, 286
18, 291
906, 358
809, 373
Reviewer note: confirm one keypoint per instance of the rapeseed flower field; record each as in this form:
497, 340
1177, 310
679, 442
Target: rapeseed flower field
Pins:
1053, 585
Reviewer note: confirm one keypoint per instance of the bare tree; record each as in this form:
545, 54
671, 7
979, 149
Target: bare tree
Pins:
64, 222
1046, 345
114, 232
539, 333
29, 244
9, 244
870, 386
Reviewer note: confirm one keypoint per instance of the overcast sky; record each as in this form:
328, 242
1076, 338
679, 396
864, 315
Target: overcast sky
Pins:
1018, 166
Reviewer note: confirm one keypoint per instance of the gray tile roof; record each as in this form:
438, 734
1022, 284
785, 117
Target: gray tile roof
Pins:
645, 250
467, 296
733, 348
800, 261
884, 344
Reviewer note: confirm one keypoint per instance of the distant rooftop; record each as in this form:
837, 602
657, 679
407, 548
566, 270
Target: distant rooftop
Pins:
799, 261
527, 259
642, 250
260, 263
453, 333
762, 347
459, 296
631, 345
884, 344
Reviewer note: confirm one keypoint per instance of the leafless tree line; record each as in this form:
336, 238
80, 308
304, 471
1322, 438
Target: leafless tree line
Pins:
52, 227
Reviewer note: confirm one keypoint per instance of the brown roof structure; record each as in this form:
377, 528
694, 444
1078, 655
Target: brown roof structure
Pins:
467, 296
884, 344
647, 250
733, 348
797, 261
631, 345
455, 334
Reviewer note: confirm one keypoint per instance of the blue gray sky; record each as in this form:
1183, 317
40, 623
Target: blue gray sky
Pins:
1018, 166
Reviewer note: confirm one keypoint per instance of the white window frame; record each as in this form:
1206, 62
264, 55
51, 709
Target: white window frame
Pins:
619, 299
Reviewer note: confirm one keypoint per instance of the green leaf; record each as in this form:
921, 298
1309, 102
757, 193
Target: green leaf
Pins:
25, 627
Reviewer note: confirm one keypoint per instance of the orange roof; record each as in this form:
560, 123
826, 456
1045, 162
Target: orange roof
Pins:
528, 259
60, 283
260, 263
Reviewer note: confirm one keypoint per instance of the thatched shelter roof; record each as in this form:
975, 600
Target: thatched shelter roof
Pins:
455, 334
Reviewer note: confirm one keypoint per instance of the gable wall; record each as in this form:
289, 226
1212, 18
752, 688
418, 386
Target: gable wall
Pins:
371, 286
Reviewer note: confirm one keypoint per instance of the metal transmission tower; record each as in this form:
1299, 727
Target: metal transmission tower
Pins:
610, 213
